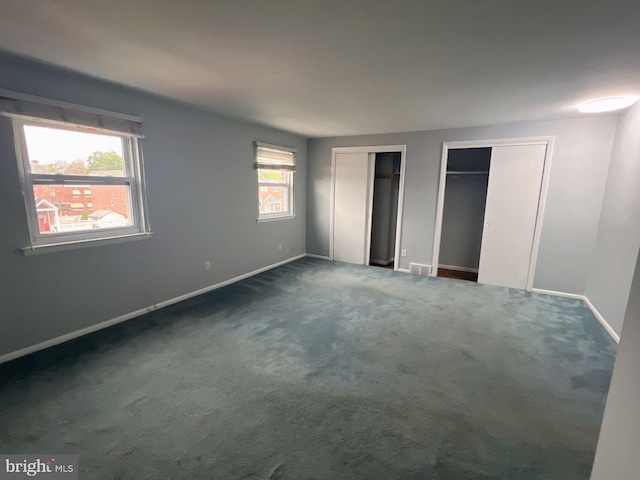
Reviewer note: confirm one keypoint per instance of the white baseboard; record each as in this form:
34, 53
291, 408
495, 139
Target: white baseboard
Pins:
459, 269
320, 257
558, 294
612, 333
605, 324
128, 316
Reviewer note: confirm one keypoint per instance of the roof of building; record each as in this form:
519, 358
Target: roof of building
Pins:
100, 213
43, 204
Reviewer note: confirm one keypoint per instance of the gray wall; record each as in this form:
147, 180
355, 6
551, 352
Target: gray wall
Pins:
617, 453
618, 237
202, 196
577, 181
462, 220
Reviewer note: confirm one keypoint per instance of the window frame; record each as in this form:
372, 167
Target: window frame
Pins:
289, 203
289, 183
133, 180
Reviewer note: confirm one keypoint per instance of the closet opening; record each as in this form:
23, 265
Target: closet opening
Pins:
384, 213
467, 180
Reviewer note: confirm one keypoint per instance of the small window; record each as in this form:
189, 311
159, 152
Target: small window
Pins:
276, 167
61, 161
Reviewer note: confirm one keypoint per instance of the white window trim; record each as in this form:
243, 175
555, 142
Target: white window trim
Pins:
290, 213
134, 179
66, 246
275, 217
267, 217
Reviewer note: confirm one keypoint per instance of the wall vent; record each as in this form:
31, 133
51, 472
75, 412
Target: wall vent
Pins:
419, 269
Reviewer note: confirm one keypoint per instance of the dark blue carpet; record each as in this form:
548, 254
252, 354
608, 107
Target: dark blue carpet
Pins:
321, 370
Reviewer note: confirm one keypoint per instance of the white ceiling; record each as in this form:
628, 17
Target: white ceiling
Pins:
326, 67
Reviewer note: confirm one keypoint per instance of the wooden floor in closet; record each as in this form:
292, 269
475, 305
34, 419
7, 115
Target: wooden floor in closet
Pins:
458, 275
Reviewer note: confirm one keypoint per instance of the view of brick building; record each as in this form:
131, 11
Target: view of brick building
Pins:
272, 199
73, 207
76, 200
75, 204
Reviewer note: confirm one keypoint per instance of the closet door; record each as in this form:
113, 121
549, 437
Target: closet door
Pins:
351, 220
515, 179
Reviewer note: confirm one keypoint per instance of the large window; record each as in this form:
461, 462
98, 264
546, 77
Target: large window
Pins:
275, 166
82, 179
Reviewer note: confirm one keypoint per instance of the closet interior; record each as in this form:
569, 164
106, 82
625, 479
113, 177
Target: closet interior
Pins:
384, 215
463, 213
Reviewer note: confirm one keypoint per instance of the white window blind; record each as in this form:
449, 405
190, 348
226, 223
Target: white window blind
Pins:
61, 112
271, 157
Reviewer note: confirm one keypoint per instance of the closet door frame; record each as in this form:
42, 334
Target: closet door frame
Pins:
446, 146
370, 150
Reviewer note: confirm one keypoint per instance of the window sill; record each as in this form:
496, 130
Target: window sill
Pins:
275, 218
66, 246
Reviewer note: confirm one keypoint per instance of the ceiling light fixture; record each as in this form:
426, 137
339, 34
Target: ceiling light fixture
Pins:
608, 104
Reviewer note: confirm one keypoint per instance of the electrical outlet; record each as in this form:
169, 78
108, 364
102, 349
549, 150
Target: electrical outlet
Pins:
403, 253
280, 246
207, 265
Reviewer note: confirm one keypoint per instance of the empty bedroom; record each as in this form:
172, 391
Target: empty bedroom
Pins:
319, 240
